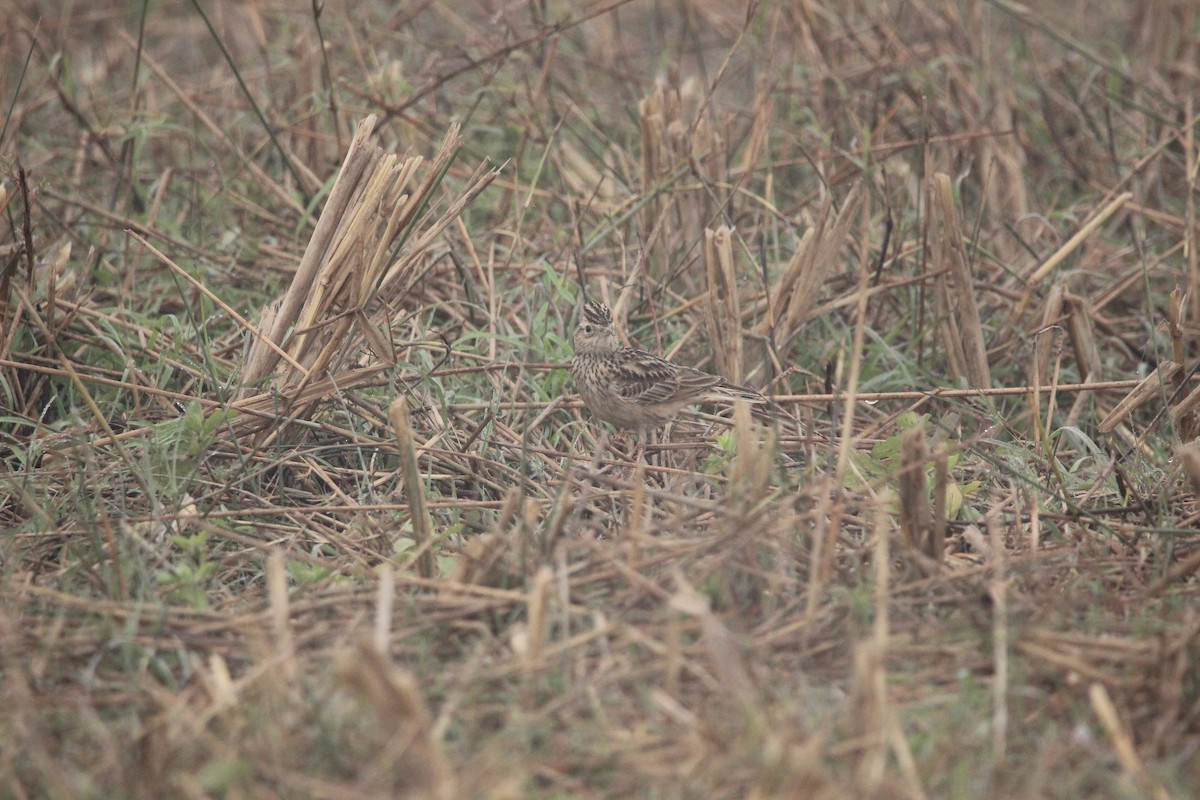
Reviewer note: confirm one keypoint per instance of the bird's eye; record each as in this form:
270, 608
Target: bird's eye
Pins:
587, 328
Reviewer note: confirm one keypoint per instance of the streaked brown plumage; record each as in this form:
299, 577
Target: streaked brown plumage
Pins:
632, 388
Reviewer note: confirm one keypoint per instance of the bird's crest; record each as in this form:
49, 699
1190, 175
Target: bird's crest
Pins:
597, 313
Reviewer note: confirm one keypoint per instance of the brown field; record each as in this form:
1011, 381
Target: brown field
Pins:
297, 499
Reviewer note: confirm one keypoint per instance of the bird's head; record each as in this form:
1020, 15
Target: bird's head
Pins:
595, 332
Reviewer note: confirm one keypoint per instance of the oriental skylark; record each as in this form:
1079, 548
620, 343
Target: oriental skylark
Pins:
632, 388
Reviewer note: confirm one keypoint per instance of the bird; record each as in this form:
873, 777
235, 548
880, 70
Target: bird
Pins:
634, 389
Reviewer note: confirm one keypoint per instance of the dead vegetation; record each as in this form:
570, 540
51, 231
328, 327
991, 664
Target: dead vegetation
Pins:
297, 500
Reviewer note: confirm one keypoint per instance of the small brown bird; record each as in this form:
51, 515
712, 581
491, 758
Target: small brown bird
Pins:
632, 388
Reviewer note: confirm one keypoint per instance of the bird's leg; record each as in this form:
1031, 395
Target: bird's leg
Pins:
640, 450
657, 437
627, 441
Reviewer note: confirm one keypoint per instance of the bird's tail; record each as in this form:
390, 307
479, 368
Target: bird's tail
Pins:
732, 391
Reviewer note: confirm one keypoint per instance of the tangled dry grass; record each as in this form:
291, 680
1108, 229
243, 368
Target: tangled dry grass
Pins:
298, 501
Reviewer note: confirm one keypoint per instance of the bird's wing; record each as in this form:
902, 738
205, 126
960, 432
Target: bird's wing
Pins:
648, 380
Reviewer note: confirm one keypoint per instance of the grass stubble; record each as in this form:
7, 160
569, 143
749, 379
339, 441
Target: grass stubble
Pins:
297, 500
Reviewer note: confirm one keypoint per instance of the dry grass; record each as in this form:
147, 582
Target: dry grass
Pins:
298, 501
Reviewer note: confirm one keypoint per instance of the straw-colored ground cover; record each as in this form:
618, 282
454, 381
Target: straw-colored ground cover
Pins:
297, 500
